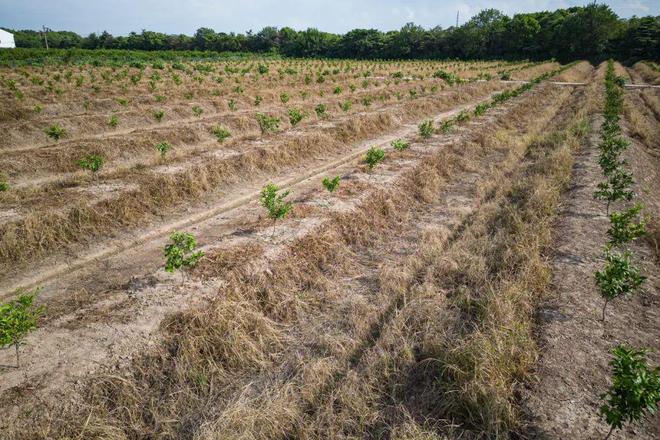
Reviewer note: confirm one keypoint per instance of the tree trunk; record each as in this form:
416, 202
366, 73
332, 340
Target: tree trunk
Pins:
609, 433
604, 305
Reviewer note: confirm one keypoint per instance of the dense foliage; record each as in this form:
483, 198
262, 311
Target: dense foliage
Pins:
635, 389
592, 32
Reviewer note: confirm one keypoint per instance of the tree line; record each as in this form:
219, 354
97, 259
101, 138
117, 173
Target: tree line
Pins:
592, 32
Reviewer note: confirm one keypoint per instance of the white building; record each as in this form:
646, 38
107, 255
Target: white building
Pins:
6, 40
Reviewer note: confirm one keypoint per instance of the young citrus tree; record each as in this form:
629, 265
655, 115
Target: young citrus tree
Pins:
624, 228
374, 157
400, 144
17, 319
274, 203
180, 253
635, 389
331, 184
426, 129
91, 162
619, 276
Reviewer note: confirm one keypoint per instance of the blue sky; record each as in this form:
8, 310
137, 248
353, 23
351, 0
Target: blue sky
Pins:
184, 16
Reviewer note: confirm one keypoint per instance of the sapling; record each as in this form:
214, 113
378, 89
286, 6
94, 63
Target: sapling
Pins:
635, 390
619, 276
17, 319
331, 184
617, 187
623, 228
426, 129
400, 144
374, 157
55, 131
274, 203
295, 116
257, 100
159, 115
163, 148
233, 105
180, 253
320, 110
220, 133
267, 123
462, 116
91, 162
446, 126
113, 121
197, 110
284, 97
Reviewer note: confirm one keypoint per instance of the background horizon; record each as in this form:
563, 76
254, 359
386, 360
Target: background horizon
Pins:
339, 16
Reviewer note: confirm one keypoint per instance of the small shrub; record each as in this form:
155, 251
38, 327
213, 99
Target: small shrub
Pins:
617, 187
331, 184
274, 203
163, 148
320, 110
480, 109
426, 129
337, 90
55, 131
284, 97
113, 121
506, 76
449, 78
197, 110
346, 105
295, 116
263, 69
233, 105
17, 319
220, 133
180, 253
635, 389
267, 123
257, 100
463, 116
446, 126
159, 115
400, 144
623, 229
619, 276
91, 162
374, 157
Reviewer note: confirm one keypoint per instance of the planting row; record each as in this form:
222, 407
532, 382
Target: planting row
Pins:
635, 389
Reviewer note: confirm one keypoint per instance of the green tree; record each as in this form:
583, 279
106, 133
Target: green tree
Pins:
17, 319
635, 389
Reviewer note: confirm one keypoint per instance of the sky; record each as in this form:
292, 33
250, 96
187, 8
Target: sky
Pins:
119, 17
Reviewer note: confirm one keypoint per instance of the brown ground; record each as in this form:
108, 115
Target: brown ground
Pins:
399, 307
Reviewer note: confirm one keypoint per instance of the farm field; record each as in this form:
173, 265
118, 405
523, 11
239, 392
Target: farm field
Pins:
443, 290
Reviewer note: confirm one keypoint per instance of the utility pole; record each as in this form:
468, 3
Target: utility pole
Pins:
45, 32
